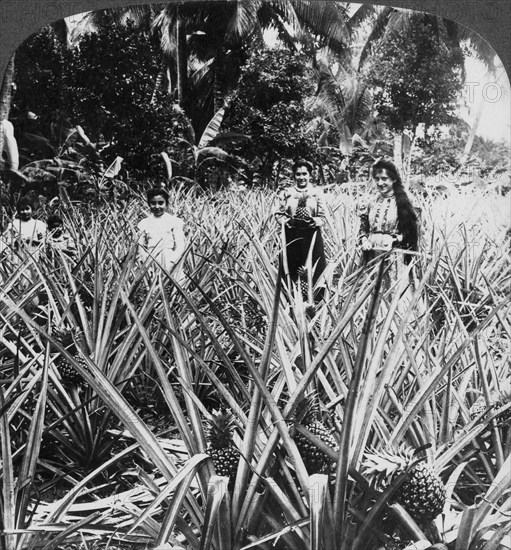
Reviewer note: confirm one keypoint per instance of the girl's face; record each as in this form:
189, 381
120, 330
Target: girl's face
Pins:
158, 205
384, 183
24, 213
302, 177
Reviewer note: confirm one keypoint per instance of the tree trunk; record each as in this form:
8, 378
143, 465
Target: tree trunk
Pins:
402, 154
182, 59
61, 31
5, 99
398, 151
218, 99
408, 144
475, 124
473, 132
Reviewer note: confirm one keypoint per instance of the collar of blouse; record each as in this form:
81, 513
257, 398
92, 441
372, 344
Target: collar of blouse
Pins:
301, 190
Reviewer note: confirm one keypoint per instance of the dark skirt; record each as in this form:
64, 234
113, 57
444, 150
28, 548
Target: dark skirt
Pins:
298, 241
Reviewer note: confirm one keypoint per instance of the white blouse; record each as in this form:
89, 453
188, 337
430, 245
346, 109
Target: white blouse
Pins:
162, 238
27, 235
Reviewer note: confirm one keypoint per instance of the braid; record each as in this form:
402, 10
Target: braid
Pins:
407, 218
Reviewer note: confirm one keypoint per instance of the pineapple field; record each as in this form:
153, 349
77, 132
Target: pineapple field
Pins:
221, 410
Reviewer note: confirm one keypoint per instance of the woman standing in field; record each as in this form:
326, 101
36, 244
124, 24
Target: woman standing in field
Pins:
389, 220
301, 216
162, 234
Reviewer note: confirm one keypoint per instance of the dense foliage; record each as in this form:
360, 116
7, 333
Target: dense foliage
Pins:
440, 153
114, 84
417, 78
111, 375
107, 85
217, 410
269, 106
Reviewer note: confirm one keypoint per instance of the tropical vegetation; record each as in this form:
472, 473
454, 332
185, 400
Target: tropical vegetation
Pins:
117, 75
222, 410
218, 412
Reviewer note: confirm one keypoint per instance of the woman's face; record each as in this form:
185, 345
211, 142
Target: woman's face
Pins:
157, 205
384, 183
24, 213
302, 177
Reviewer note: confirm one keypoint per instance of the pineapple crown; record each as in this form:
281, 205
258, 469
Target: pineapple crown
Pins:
220, 428
308, 408
386, 464
302, 200
301, 271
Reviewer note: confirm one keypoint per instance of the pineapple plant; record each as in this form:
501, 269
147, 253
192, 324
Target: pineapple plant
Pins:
303, 286
315, 460
503, 398
422, 494
138, 295
62, 335
498, 399
302, 212
221, 447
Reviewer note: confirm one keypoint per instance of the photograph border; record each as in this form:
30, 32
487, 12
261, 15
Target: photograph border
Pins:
21, 18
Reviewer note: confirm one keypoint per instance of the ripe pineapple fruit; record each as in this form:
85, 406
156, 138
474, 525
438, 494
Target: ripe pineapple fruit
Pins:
503, 398
302, 212
138, 295
221, 448
497, 400
478, 408
422, 494
303, 282
67, 373
315, 460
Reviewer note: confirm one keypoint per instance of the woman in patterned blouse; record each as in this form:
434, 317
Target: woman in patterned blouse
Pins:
389, 220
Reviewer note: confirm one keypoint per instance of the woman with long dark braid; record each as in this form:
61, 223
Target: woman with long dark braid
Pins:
389, 221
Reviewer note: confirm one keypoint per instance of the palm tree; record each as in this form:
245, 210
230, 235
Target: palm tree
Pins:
221, 36
344, 96
209, 43
385, 21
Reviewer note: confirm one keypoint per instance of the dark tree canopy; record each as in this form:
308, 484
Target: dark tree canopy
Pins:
269, 105
417, 78
106, 84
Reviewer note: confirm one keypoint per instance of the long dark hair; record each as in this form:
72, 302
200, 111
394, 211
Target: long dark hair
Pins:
406, 214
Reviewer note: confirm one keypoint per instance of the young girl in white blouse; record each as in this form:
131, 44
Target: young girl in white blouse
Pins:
161, 234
